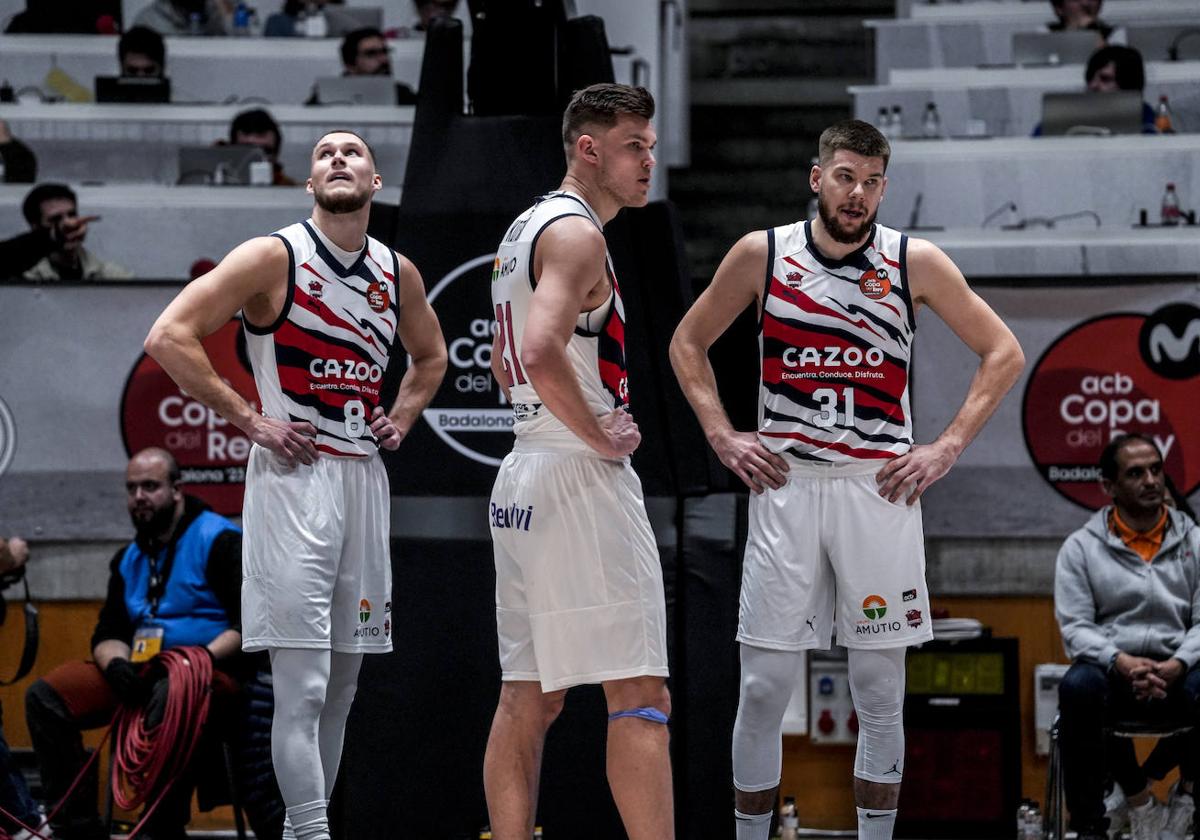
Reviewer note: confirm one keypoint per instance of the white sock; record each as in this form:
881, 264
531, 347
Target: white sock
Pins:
752, 826
310, 820
875, 823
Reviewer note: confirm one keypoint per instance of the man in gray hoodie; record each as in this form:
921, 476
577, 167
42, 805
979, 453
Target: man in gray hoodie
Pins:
1127, 599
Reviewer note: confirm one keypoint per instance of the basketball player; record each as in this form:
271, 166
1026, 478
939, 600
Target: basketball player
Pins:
835, 527
579, 590
322, 304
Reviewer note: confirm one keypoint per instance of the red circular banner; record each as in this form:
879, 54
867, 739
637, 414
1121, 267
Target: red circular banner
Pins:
211, 452
1110, 375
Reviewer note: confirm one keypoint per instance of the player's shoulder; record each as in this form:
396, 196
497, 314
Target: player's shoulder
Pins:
572, 235
261, 253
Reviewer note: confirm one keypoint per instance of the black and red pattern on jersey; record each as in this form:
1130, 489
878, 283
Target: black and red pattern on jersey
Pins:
610, 350
835, 341
323, 359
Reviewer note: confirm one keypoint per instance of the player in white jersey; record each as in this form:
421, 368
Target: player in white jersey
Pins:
579, 590
835, 527
322, 304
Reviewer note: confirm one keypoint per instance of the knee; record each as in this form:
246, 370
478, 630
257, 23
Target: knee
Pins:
758, 691
42, 702
1082, 686
552, 706
303, 701
639, 693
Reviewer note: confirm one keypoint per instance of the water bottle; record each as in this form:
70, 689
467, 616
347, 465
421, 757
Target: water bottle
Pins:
897, 123
241, 19
195, 24
315, 25
1171, 214
931, 123
1033, 823
789, 821
1162, 117
884, 121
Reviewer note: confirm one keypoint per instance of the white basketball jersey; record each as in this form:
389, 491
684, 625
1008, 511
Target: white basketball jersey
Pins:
596, 350
835, 342
324, 358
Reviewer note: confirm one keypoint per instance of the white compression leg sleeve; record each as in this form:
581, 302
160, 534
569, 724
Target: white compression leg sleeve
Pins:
300, 678
768, 679
877, 686
343, 682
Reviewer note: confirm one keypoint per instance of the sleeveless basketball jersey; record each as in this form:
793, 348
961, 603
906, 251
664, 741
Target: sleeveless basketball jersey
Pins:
596, 351
324, 357
835, 342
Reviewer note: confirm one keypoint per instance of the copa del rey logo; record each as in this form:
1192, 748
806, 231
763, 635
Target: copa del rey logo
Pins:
1111, 375
211, 452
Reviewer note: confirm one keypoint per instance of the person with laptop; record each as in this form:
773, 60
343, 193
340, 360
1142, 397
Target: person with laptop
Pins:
1076, 15
142, 54
366, 56
1111, 69
257, 127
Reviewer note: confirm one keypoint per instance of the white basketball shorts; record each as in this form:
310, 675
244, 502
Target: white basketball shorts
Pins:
579, 588
316, 563
828, 544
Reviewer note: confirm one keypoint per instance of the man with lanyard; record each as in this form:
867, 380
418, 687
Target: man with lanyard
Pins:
178, 584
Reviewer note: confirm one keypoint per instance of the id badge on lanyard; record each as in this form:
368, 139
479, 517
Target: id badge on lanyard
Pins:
147, 643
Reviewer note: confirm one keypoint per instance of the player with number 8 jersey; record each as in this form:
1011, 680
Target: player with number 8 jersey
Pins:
323, 305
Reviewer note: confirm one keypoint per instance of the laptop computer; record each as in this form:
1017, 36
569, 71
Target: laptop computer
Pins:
132, 89
217, 165
356, 90
1074, 47
342, 20
1119, 112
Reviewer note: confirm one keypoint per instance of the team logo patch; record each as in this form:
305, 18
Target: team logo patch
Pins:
914, 618
794, 279
874, 607
315, 289
378, 298
364, 611
909, 594
875, 283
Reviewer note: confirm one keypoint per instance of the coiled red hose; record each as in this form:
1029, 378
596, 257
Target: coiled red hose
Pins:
147, 761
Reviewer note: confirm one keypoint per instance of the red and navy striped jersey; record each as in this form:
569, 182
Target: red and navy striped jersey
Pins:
324, 358
835, 342
597, 348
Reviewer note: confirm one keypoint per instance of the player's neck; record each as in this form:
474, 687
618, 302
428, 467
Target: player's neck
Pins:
603, 204
830, 247
348, 231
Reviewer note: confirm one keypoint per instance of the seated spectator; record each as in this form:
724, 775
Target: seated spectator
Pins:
27, 249
1083, 14
1125, 587
174, 17
365, 52
258, 128
14, 793
20, 164
1116, 68
87, 17
430, 10
142, 53
1119, 68
179, 584
284, 23
50, 207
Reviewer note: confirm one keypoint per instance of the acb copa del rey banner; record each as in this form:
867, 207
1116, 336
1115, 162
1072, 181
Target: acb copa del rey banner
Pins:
211, 452
1123, 372
1102, 358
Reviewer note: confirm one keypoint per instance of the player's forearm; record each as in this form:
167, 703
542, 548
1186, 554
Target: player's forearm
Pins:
182, 356
417, 388
699, 384
557, 387
998, 371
